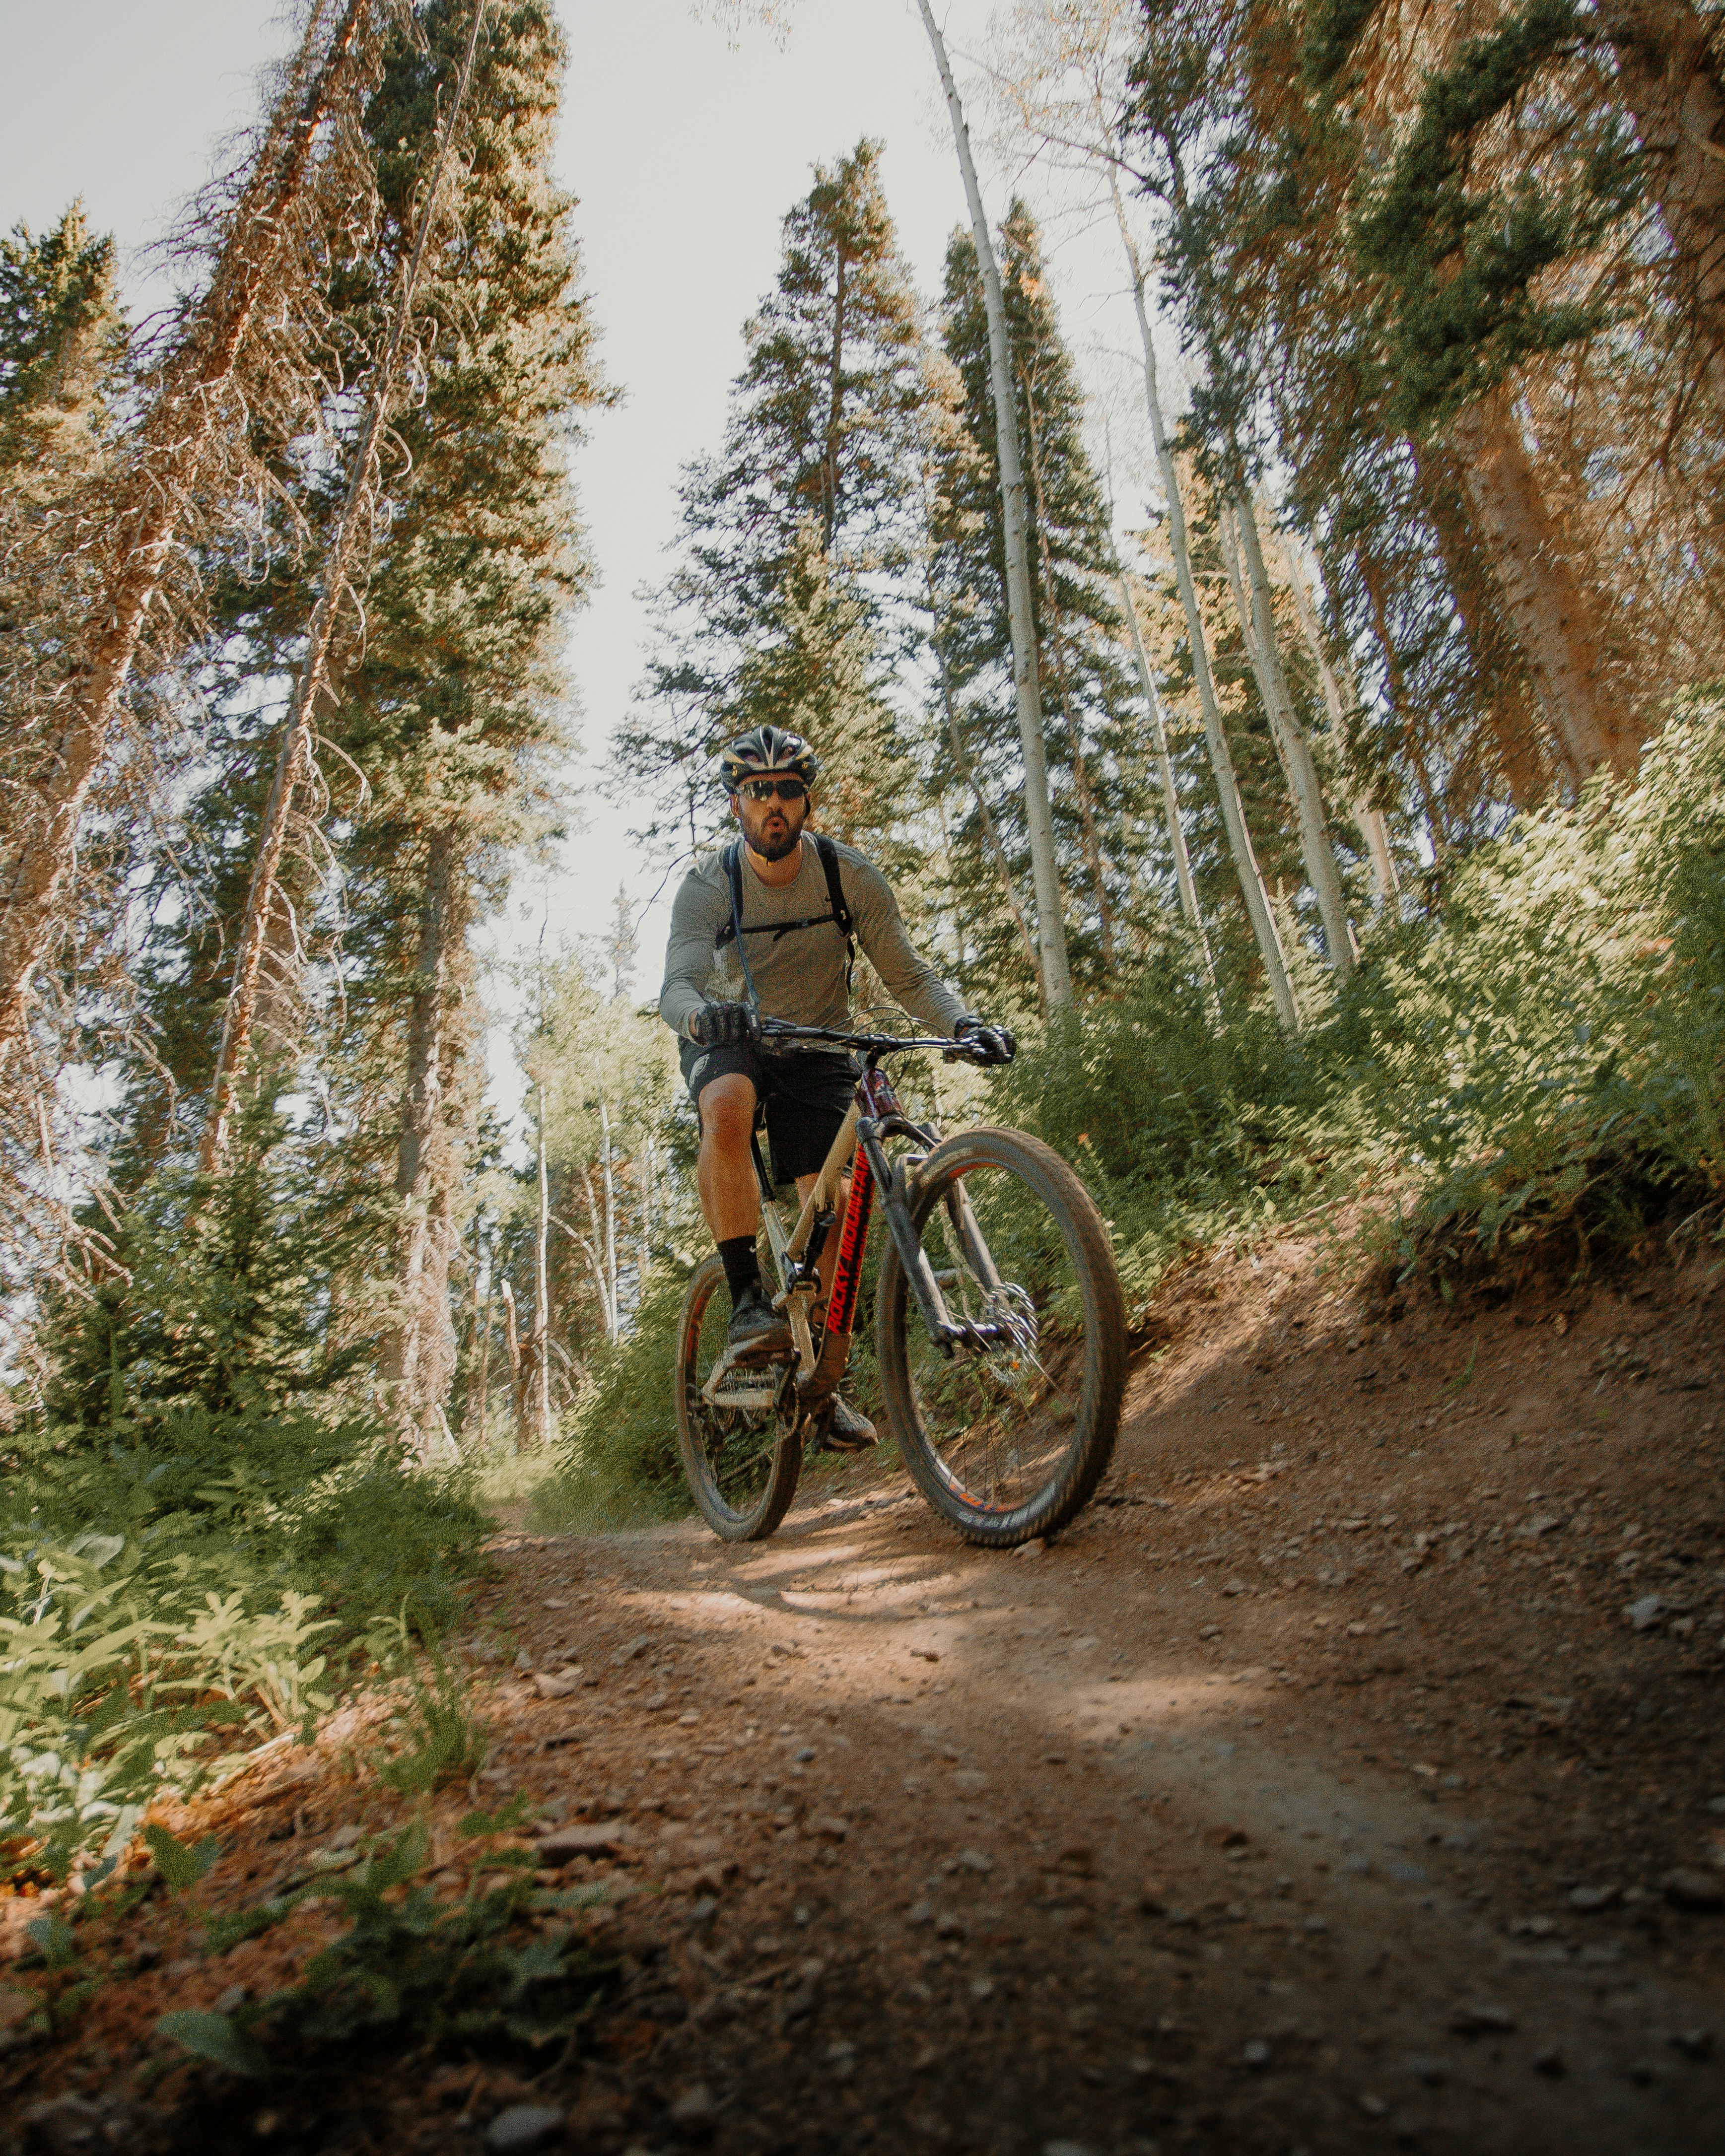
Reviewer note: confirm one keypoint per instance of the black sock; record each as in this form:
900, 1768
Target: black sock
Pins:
741, 1263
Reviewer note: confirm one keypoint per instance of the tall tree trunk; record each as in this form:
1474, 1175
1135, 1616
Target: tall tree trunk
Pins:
1239, 839
608, 1181
1407, 723
419, 1356
1075, 731
1526, 760
1668, 69
1170, 798
1552, 617
591, 1248
314, 681
1258, 622
195, 404
643, 1184
484, 1368
541, 1292
478, 1398
1039, 814
835, 396
512, 1347
1373, 825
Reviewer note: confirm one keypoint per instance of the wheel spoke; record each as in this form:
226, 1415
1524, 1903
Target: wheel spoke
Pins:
1007, 1423
731, 1455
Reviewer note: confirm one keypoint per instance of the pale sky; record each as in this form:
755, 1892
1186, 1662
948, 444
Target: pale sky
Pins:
685, 155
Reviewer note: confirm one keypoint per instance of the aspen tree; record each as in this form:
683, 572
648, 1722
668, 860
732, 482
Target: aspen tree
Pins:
1051, 921
963, 761
539, 1339
1374, 828
1257, 621
1240, 839
1100, 774
1170, 797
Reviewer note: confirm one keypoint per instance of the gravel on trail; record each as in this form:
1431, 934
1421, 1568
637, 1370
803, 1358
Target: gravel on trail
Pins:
1350, 1776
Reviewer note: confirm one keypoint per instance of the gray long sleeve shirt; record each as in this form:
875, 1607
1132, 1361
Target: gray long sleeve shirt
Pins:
799, 976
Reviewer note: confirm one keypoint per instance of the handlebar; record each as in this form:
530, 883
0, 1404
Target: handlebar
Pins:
873, 1045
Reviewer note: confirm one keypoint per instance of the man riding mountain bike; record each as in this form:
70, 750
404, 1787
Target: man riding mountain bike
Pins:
767, 928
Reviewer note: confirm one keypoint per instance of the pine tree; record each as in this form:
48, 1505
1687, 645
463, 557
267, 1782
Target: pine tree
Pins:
453, 713
784, 607
1428, 247
61, 344
450, 713
241, 372
1101, 770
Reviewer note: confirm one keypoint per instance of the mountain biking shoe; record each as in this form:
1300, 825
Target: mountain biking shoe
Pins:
846, 1430
757, 1331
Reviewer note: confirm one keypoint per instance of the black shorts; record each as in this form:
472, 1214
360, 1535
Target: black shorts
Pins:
807, 1095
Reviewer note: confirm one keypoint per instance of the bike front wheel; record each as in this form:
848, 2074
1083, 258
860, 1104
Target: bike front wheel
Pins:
1008, 1439
741, 1464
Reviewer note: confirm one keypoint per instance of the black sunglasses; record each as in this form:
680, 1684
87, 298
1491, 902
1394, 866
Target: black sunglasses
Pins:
763, 789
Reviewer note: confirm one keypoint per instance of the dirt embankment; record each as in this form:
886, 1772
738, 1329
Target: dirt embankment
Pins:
1348, 1778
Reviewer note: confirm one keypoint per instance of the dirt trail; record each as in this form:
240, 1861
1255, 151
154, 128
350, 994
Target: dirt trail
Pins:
1314, 1792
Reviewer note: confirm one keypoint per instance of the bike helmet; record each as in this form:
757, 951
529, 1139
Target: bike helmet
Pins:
763, 750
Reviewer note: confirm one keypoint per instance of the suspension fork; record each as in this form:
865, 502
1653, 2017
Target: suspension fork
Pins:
919, 1273
963, 1216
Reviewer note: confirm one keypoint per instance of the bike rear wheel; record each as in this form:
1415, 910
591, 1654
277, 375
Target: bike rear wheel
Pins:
740, 1465
1011, 1442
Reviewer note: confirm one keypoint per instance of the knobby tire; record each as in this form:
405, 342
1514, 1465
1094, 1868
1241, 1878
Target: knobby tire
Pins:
1074, 1471
704, 1433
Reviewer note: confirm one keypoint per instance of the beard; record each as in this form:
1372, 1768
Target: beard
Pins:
777, 841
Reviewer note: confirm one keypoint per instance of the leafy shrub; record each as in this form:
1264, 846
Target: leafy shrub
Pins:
1541, 1060
157, 1607
492, 1971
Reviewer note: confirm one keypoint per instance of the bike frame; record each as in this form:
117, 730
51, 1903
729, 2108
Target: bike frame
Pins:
875, 1115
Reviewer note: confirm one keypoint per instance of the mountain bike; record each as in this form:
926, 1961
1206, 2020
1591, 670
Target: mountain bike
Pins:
1000, 1324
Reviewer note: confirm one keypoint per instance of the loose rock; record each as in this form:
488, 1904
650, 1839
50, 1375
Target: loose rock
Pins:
1686, 1888
522, 2127
64, 2124
695, 2110
604, 1839
1479, 2019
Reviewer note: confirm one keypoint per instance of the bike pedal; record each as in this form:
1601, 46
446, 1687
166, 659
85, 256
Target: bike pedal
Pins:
744, 1396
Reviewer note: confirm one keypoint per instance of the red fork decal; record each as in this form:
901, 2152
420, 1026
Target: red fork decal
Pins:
847, 1276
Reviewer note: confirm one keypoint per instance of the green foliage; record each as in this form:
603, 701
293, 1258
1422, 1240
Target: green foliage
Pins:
1544, 1062
1460, 262
445, 1744
159, 1606
216, 1316
786, 604
1101, 781
180, 1867
60, 347
411, 1972
621, 1460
